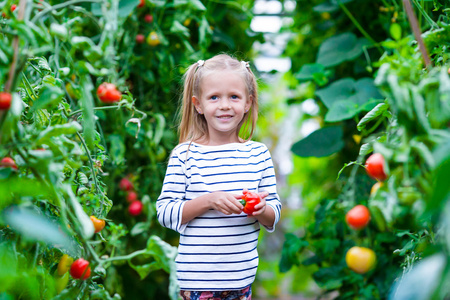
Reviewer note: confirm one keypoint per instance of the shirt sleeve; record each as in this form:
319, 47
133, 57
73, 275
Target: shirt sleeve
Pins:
170, 203
269, 184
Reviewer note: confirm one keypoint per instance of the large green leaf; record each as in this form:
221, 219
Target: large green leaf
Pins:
358, 92
346, 109
322, 142
33, 226
340, 48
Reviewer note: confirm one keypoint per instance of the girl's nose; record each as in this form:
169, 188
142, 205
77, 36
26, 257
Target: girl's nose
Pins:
224, 104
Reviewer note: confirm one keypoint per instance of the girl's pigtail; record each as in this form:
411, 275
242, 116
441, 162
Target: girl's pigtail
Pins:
187, 107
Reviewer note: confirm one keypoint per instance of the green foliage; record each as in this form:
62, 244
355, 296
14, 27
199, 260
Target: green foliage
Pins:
72, 150
406, 121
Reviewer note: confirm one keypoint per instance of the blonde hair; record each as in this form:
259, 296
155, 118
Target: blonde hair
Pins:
193, 125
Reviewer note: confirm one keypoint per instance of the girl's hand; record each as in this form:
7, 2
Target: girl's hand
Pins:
260, 208
226, 203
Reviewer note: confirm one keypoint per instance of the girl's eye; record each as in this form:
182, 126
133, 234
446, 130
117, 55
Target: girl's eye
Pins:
234, 97
214, 98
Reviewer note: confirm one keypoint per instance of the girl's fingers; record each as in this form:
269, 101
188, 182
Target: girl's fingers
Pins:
264, 194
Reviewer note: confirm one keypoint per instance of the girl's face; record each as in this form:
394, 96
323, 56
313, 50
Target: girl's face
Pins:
223, 101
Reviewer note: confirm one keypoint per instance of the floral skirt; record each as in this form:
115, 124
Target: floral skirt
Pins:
244, 294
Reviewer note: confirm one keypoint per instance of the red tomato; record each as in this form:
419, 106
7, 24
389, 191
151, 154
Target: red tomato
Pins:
141, 4
358, 217
376, 166
98, 224
140, 38
80, 267
108, 93
8, 162
135, 208
132, 196
5, 100
125, 184
250, 199
148, 18
13, 7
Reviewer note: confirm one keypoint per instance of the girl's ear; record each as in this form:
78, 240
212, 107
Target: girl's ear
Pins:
196, 103
249, 103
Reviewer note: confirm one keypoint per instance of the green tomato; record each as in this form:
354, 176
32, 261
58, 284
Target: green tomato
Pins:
61, 282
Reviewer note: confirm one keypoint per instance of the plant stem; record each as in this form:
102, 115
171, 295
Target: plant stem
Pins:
91, 163
360, 28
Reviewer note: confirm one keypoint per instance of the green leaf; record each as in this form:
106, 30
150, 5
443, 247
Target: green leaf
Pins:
177, 27
60, 31
126, 7
347, 109
358, 92
371, 115
329, 278
314, 72
33, 226
292, 246
159, 130
116, 148
421, 282
322, 142
87, 228
340, 48
87, 109
47, 134
49, 97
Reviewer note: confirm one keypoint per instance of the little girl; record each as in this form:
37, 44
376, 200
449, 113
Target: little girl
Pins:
206, 175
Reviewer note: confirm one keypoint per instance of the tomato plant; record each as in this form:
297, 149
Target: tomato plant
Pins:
358, 217
5, 100
80, 269
360, 259
249, 200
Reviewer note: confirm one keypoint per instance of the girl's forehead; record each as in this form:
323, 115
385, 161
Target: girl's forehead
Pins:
223, 76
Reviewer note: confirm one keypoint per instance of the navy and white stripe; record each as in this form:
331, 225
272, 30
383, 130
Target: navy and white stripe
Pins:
216, 251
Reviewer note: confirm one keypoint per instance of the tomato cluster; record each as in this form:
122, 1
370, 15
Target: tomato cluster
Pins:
136, 206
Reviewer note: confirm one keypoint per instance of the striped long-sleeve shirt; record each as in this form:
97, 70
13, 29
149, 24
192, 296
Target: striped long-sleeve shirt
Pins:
216, 251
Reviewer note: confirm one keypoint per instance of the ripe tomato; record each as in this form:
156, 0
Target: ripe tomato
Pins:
360, 259
13, 7
153, 39
358, 217
140, 38
376, 167
132, 196
8, 162
64, 265
80, 267
5, 100
135, 208
98, 224
61, 282
125, 184
249, 200
375, 187
141, 4
148, 18
108, 93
